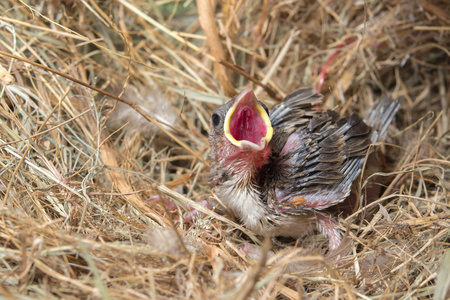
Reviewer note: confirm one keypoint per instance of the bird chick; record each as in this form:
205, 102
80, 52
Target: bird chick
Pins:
279, 170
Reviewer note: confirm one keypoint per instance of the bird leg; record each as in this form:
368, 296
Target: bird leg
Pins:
172, 207
327, 225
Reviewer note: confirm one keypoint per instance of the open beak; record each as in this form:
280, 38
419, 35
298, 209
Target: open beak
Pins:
247, 124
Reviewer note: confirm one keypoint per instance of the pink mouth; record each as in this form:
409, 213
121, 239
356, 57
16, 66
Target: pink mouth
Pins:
246, 123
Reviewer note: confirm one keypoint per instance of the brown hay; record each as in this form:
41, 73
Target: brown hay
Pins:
89, 212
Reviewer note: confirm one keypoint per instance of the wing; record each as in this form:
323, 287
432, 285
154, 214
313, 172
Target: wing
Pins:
299, 103
292, 114
322, 157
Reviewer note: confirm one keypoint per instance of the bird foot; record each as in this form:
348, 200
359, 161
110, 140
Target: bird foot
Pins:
252, 252
327, 224
172, 207
194, 212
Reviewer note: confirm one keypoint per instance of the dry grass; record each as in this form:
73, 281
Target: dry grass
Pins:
80, 208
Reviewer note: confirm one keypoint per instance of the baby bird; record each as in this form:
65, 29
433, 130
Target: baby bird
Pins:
278, 170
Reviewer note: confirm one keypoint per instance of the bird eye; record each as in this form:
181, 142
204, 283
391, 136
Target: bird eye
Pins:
215, 119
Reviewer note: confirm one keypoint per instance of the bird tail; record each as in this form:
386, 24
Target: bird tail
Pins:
379, 117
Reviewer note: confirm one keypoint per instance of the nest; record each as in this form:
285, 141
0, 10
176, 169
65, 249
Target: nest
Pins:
104, 162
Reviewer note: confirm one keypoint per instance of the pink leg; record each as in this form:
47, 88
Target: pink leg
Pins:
327, 225
171, 206
161, 198
195, 212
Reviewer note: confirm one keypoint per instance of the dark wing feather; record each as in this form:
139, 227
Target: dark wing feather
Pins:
322, 154
286, 114
293, 113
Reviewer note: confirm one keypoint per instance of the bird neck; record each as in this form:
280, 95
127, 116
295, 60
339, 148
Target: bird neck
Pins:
237, 179
247, 164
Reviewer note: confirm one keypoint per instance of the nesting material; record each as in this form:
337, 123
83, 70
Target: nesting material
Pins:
153, 102
76, 219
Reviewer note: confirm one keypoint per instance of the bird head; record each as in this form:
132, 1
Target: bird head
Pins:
240, 133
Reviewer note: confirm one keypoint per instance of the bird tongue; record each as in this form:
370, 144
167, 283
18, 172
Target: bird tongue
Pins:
248, 123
